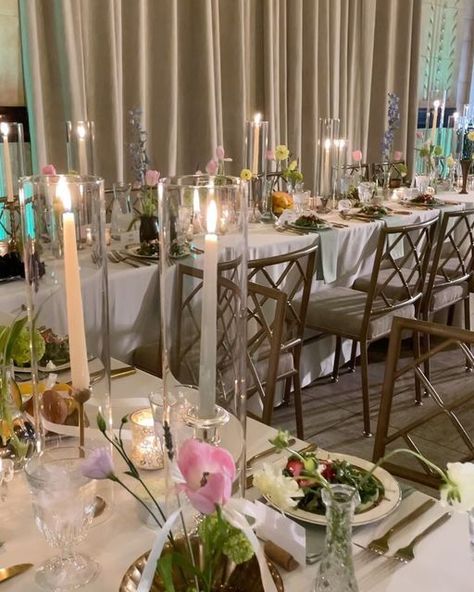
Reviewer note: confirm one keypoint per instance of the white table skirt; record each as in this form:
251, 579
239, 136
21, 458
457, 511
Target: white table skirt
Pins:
442, 562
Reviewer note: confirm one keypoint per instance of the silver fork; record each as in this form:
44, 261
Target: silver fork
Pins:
114, 259
380, 545
126, 258
406, 554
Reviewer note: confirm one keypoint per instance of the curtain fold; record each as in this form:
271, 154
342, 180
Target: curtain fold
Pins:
199, 68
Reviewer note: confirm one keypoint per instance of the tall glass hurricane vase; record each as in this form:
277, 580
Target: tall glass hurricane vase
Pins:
203, 258
336, 570
328, 133
67, 299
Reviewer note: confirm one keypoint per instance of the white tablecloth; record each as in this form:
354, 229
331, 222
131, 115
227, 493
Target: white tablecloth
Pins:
442, 561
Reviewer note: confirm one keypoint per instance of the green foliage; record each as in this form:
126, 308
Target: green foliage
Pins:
21, 353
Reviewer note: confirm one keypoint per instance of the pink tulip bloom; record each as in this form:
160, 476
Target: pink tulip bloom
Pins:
220, 154
48, 169
212, 166
357, 155
270, 154
208, 472
98, 465
419, 135
397, 155
152, 177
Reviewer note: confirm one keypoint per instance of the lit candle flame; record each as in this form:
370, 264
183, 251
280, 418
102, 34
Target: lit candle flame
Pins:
327, 144
455, 115
4, 128
62, 193
196, 204
81, 131
212, 217
257, 118
436, 104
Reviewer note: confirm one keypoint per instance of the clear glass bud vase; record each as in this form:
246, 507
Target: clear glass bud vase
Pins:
336, 570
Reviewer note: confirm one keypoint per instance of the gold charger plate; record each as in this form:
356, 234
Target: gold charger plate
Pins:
244, 578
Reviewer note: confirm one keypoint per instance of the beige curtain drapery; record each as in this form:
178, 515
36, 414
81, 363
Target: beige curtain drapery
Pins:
200, 68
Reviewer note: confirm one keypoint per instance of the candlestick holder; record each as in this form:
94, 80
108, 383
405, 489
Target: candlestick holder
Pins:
203, 308
70, 301
80, 137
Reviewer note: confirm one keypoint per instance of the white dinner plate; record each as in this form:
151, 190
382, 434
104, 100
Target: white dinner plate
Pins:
304, 228
388, 504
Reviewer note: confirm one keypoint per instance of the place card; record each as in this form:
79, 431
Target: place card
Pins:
274, 526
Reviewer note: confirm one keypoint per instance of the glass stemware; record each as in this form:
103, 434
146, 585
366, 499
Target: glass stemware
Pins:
63, 507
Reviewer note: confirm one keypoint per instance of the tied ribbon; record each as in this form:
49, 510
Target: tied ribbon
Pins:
148, 574
234, 511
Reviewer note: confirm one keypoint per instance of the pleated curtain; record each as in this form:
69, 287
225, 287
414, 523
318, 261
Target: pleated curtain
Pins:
199, 68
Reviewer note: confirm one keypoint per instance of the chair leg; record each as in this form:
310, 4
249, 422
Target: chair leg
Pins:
287, 393
352, 365
364, 363
337, 359
298, 406
467, 326
427, 366
451, 311
416, 353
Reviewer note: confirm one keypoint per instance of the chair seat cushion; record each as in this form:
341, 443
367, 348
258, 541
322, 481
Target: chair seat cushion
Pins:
444, 297
340, 311
395, 288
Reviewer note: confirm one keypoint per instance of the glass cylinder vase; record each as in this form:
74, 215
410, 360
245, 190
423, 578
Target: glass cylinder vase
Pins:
336, 570
80, 147
203, 265
328, 132
66, 302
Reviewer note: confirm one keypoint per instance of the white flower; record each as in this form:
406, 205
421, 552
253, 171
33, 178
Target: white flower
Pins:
450, 161
470, 136
279, 489
459, 490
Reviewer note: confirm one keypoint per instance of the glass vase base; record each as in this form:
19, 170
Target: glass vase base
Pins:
207, 429
61, 575
268, 218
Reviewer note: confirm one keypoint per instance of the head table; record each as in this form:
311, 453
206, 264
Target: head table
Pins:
442, 564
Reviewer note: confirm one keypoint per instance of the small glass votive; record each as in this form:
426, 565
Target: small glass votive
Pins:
146, 448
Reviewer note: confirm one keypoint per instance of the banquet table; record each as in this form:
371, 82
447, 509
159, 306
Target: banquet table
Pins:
442, 564
345, 254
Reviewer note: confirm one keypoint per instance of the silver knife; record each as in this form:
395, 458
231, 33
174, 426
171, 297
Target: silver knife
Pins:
10, 572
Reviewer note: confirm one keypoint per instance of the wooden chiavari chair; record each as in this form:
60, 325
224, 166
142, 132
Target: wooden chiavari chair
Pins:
451, 407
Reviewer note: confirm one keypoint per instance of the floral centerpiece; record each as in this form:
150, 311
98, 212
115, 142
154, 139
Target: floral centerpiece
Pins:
429, 153
205, 475
17, 434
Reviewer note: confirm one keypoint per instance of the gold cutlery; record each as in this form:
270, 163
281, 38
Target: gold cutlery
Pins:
406, 554
10, 572
115, 260
380, 545
129, 258
308, 448
115, 373
266, 452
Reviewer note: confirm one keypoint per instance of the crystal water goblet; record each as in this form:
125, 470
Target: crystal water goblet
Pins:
7, 470
63, 502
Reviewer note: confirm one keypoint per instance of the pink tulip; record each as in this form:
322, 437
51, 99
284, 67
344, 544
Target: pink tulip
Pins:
48, 169
220, 154
419, 135
152, 177
212, 166
397, 155
208, 471
357, 155
270, 154
98, 465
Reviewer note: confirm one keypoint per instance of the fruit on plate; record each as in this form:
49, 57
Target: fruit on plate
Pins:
426, 199
374, 210
281, 201
59, 406
306, 469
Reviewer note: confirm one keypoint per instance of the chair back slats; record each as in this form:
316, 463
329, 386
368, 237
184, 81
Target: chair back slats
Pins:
453, 259
292, 274
407, 272
444, 404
